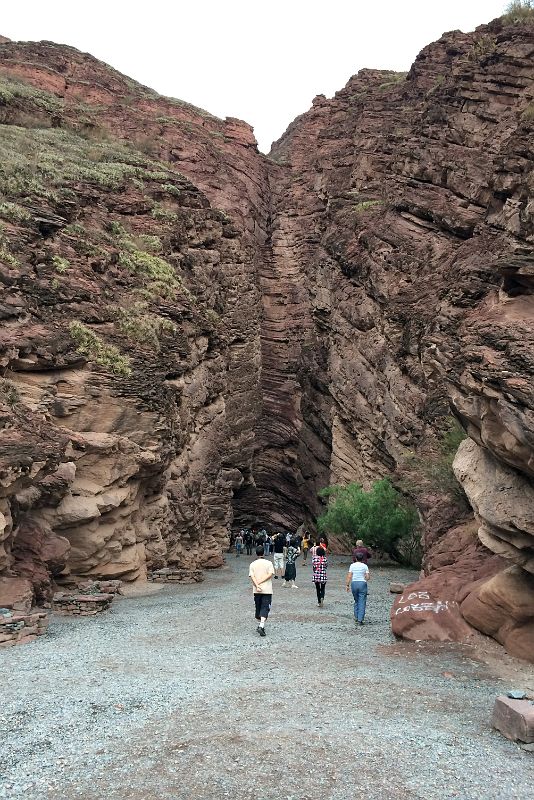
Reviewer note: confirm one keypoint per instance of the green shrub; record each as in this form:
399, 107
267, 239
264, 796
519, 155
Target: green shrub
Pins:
61, 265
14, 213
151, 243
11, 89
395, 78
42, 162
139, 324
367, 205
170, 188
381, 516
9, 394
435, 472
161, 213
211, 315
519, 11
6, 256
482, 48
150, 266
91, 345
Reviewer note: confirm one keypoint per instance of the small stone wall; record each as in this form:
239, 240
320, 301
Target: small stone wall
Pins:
99, 587
85, 605
16, 628
175, 575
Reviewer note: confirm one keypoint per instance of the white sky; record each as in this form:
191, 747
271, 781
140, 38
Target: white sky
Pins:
257, 60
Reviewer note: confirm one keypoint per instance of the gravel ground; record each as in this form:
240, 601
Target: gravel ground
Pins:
174, 695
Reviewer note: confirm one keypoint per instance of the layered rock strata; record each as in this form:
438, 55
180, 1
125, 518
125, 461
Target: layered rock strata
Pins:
276, 323
406, 236
129, 341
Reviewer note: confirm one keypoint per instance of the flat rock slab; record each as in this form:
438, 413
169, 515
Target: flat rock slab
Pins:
514, 719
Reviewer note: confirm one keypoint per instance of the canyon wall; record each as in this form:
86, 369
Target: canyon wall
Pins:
276, 323
129, 340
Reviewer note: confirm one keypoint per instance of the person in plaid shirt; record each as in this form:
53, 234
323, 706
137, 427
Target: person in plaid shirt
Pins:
319, 567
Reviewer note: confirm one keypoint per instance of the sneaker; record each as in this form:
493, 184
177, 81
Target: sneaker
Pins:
294, 586
276, 577
361, 623
261, 630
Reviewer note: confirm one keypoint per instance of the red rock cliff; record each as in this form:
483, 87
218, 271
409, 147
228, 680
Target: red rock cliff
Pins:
276, 323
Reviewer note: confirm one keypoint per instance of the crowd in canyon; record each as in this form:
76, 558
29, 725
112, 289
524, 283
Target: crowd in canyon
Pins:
192, 331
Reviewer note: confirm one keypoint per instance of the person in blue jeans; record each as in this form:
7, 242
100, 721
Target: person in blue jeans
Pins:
357, 578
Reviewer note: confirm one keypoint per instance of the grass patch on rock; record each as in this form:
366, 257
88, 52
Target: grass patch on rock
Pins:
9, 394
90, 344
141, 325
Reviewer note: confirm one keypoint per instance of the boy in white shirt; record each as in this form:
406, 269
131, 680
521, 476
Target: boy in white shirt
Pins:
261, 574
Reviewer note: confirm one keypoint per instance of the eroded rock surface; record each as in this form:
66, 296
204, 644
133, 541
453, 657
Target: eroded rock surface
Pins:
129, 340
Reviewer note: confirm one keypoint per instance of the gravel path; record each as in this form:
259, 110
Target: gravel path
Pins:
174, 695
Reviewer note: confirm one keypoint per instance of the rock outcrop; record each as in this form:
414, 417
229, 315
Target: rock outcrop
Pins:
129, 343
193, 333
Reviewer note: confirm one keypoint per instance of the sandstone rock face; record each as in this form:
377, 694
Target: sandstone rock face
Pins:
194, 333
503, 501
129, 342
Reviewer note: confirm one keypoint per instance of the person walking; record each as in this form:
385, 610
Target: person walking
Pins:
361, 548
238, 544
357, 578
305, 546
248, 541
278, 555
267, 544
291, 554
260, 573
319, 567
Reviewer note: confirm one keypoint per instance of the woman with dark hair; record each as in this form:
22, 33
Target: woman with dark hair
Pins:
291, 554
319, 567
322, 542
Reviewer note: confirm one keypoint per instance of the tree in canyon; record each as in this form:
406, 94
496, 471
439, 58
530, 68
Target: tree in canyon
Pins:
381, 516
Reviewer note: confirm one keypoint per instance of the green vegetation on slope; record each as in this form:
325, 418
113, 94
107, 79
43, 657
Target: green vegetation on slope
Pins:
519, 11
382, 517
90, 344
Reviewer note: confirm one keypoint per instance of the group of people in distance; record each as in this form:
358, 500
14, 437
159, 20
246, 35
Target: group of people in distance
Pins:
286, 550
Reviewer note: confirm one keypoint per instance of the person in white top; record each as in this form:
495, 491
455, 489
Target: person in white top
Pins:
357, 578
261, 573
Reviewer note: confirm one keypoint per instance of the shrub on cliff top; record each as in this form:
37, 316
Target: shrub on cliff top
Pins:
382, 517
519, 11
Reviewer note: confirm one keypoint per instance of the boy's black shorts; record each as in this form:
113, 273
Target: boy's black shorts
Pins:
263, 604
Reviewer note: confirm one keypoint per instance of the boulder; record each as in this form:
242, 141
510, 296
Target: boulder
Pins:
503, 607
426, 613
16, 594
514, 719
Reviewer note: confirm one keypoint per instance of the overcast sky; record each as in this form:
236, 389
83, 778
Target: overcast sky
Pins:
257, 60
